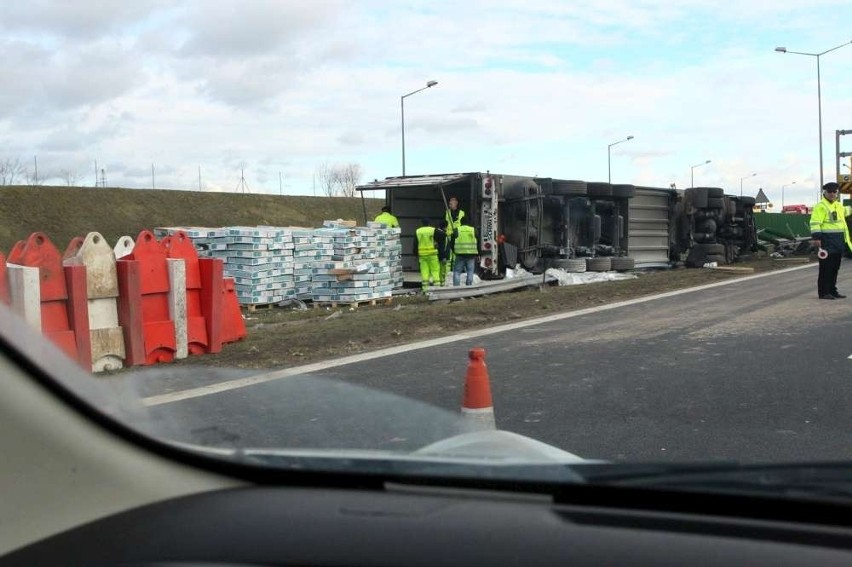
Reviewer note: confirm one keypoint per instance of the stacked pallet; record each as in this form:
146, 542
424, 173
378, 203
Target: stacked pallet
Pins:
362, 265
336, 263
260, 259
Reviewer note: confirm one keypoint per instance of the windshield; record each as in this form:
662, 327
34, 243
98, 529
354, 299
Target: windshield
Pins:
368, 236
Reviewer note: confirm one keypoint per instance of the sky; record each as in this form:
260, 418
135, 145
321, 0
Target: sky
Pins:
197, 92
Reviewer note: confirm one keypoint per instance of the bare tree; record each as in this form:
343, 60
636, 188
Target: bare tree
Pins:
10, 169
71, 178
350, 175
328, 179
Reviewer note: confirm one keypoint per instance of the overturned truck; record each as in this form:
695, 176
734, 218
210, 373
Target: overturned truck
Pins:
539, 222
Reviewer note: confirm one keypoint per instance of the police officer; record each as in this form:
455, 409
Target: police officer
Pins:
427, 254
466, 250
830, 233
387, 219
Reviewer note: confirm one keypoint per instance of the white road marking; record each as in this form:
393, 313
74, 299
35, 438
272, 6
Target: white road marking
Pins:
334, 363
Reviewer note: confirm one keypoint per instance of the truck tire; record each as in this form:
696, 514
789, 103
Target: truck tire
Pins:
714, 192
710, 249
599, 189
599, 264
623, 263
707, 225
704, 237
571, 265
715, 202
718, 258
577, 188
623, 191
747, 201
698, 197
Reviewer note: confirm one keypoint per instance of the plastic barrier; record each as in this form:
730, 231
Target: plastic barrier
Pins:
123, 247
101, 292
180, 246
39, 252
4, 281
24, 293
78, 313
212, 272
233, 325
148, 300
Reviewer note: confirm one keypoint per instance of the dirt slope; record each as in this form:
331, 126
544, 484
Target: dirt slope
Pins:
65, 212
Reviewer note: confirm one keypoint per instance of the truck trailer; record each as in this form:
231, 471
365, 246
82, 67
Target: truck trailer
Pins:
542, 222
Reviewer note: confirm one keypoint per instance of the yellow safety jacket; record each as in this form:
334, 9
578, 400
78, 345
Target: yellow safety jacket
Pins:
828, 225
426, 241
465, 244
454, 224
388, 220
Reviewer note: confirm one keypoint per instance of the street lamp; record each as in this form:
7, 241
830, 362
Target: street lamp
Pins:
741, 182
609, 156
819, 96
692, 172
429, 85
782, 193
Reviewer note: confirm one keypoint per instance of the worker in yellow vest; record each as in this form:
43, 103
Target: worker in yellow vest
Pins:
830, 234
454, 215
427, 254
466, 250
387, 219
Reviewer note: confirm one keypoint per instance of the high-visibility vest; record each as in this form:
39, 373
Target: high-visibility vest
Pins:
388, 220
454, 224
828, 224
465, 244
426, 241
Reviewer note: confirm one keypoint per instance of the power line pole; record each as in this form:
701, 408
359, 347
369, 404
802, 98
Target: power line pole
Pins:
153, 185
35, 166
199, 178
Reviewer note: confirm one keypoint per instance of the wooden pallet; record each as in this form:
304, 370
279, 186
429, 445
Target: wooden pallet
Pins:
352, 304
252, 307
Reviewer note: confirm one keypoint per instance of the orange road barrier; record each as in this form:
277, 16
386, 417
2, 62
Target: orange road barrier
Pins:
477, 407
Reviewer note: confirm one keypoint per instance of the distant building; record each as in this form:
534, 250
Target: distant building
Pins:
762, 202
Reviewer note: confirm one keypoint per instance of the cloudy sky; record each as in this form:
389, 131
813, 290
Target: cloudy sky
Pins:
524, 87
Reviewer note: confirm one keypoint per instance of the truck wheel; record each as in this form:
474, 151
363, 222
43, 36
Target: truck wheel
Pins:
623, 191
718, 258
714, 192
623, 263
571, 265
704, 237
707, 225
710, 249
698, 197
715, 202
577, 188
599, 264
599, 189
747, 201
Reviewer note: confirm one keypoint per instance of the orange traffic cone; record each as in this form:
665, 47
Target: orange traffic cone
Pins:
477, 408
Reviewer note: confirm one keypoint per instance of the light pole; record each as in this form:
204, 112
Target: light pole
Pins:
429, 85
741, 182
819, 97
692, 172
782, 193
609, 156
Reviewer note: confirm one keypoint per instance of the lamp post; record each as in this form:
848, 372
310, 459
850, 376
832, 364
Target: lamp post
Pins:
609, 156
429, 85
692, 172
782, 193
741, 182
819, 96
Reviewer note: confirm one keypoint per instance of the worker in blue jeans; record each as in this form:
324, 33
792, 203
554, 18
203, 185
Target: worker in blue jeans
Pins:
466, 249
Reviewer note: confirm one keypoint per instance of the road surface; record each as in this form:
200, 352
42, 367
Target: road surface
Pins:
753, 370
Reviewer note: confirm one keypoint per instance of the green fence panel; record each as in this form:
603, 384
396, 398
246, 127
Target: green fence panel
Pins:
787, 225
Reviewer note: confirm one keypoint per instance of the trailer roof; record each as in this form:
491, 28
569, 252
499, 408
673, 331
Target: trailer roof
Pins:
412, 181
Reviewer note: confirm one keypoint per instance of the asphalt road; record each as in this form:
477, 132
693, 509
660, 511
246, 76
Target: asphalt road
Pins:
756, 370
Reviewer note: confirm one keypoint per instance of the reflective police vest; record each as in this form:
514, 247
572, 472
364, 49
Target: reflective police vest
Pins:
426, 241
388, 220
828, 224
465, 244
